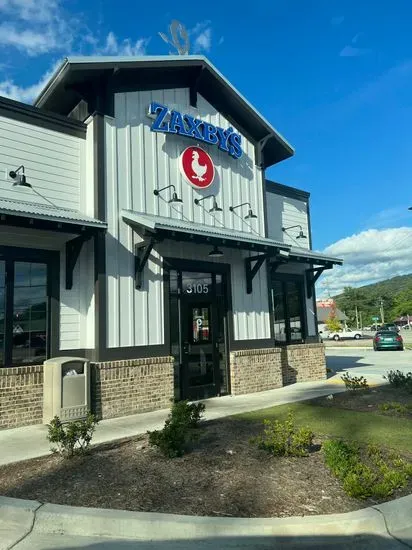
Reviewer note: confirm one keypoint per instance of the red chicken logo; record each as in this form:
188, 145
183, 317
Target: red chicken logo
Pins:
197, 167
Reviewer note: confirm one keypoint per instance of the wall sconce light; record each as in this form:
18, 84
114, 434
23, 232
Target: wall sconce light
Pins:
300, 235
20, 179
174, 200
215, 207
250, 215
215, 253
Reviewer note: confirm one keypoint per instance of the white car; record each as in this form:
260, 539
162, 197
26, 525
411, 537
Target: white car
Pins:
347, 333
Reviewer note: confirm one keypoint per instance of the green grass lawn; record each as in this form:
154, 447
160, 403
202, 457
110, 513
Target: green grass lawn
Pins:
364, 427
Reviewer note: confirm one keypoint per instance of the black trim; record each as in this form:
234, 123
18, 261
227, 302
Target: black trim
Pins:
142, 252
251, 272
32, 115
31, 221
300, 280
100, 287
286, 191
309, 223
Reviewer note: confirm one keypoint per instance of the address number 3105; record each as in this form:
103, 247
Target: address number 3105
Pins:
197, 288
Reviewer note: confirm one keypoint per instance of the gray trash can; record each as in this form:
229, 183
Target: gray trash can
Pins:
66, 388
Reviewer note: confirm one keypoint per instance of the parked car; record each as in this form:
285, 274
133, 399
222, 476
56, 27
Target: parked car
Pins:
347, 333
390, 326
387, 339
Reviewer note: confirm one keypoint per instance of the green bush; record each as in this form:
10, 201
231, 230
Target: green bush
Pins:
399, 379
284, 438
354, 383
396, 407
71, 437
179, 430
374, 475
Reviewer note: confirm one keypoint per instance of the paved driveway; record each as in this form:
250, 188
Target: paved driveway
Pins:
368, 363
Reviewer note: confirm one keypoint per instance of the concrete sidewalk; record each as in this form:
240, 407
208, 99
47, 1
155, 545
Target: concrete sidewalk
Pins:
30, 441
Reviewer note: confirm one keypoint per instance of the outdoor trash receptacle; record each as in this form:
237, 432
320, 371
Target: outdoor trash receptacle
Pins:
66, 388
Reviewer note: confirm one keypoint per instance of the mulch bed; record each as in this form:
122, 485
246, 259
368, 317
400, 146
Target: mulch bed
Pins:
367, 401
223, 476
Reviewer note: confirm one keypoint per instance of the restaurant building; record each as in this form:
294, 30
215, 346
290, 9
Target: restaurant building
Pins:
138, 230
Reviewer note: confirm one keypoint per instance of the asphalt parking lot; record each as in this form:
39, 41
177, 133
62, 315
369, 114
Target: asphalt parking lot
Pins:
366, 362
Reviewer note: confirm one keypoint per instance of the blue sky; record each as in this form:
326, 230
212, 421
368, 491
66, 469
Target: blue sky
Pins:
333, 76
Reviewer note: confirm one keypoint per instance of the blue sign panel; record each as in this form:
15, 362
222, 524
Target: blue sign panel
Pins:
186, 125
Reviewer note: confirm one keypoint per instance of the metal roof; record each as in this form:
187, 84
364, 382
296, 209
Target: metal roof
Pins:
157, 223
78, 71
295, 251
48, 212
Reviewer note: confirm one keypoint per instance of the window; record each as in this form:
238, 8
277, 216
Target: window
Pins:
25, 302
288, 311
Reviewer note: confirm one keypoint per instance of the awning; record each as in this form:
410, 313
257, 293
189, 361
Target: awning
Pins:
312, 257
171, 228
53, 218
47, 216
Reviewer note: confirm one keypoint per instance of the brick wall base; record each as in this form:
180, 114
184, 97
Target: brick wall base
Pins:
303, 363
265, 369
120, 388
255, 370
21, 396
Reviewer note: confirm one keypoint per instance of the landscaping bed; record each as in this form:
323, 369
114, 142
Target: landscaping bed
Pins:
224, 474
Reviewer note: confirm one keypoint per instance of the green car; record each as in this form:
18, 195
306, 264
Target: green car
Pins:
387, 339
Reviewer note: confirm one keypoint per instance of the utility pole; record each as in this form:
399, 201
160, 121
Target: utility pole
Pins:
360, 318
357, 317
381, 310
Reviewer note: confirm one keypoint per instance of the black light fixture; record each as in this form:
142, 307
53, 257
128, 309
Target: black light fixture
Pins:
215, 253
215, 207
174, 200
300, 235
20, 179
250, 215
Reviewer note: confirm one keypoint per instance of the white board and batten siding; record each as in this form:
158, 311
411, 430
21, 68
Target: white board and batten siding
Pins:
138, 161
55, 165
284, 212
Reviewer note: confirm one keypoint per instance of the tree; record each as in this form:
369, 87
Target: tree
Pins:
332, 322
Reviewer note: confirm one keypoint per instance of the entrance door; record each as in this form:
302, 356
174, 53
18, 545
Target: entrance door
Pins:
201, 352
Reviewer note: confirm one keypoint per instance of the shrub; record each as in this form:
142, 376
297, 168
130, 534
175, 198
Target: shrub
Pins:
179, 430
284, 439
72, 437
399, 379
354, 383
374, 475
395, 407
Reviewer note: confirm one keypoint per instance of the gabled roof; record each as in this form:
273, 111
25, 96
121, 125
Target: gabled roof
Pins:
90, 75
323, 314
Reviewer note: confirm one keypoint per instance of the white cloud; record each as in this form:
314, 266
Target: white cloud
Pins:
30, 10
125, 47
350, 51
203, 41
28, 41
27, 94
338, 20
369, 256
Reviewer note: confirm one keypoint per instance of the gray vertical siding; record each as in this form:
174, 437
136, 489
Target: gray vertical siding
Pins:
284, 212
138, 161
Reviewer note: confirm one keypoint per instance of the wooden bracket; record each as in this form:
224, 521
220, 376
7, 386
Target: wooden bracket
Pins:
312, 275
73, 249
252, 271
141, 255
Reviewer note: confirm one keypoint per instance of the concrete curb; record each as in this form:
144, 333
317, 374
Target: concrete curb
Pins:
398, 518
93, 522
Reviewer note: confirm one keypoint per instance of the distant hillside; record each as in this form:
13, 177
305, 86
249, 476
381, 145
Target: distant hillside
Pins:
389, 287
395, 296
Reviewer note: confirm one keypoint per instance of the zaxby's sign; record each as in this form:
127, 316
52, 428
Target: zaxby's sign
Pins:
173, 122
